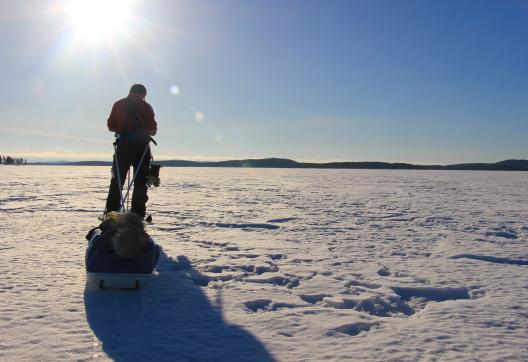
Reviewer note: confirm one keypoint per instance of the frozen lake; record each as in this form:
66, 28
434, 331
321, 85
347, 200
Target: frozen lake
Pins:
273, 264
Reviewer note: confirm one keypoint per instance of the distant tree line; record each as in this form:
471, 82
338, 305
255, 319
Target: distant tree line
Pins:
8, 160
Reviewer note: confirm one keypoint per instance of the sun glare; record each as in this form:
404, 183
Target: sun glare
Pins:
98, 20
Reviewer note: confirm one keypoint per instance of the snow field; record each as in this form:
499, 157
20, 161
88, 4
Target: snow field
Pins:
269, 264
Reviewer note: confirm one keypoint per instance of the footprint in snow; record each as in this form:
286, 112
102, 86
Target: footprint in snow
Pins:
267, 305
507, 234
491, 259
281, 220
247, 226
384, 271
352, 329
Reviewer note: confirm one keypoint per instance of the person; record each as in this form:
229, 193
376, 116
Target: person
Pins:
132, 120
121, 245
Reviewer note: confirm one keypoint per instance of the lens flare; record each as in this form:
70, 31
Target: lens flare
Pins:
175, 90
199, 116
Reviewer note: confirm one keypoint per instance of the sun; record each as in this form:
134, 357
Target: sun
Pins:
98, 20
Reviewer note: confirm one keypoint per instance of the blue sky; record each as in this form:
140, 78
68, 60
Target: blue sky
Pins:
418, 81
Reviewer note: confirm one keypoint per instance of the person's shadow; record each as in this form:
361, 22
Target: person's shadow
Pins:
168, 320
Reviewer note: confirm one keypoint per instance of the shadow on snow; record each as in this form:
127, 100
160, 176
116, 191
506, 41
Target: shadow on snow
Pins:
170, 319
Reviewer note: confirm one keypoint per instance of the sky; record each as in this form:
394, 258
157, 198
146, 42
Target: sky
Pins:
419, 81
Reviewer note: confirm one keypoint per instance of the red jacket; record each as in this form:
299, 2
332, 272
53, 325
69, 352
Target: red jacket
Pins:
129, 113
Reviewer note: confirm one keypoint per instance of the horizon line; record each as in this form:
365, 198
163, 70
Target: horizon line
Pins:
277, 158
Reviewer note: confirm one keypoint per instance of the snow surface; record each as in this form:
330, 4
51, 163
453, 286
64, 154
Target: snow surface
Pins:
269, 264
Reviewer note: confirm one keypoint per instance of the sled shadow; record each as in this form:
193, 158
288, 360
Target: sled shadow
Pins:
170, 319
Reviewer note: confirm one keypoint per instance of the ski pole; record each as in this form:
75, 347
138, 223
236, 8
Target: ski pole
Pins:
118, 177
139, 167
129, 186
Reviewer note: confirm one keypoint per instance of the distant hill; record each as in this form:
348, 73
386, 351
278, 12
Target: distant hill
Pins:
70, 163
258, 163
506, 165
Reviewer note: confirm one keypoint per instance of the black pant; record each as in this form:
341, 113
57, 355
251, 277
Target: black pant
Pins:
129, 154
